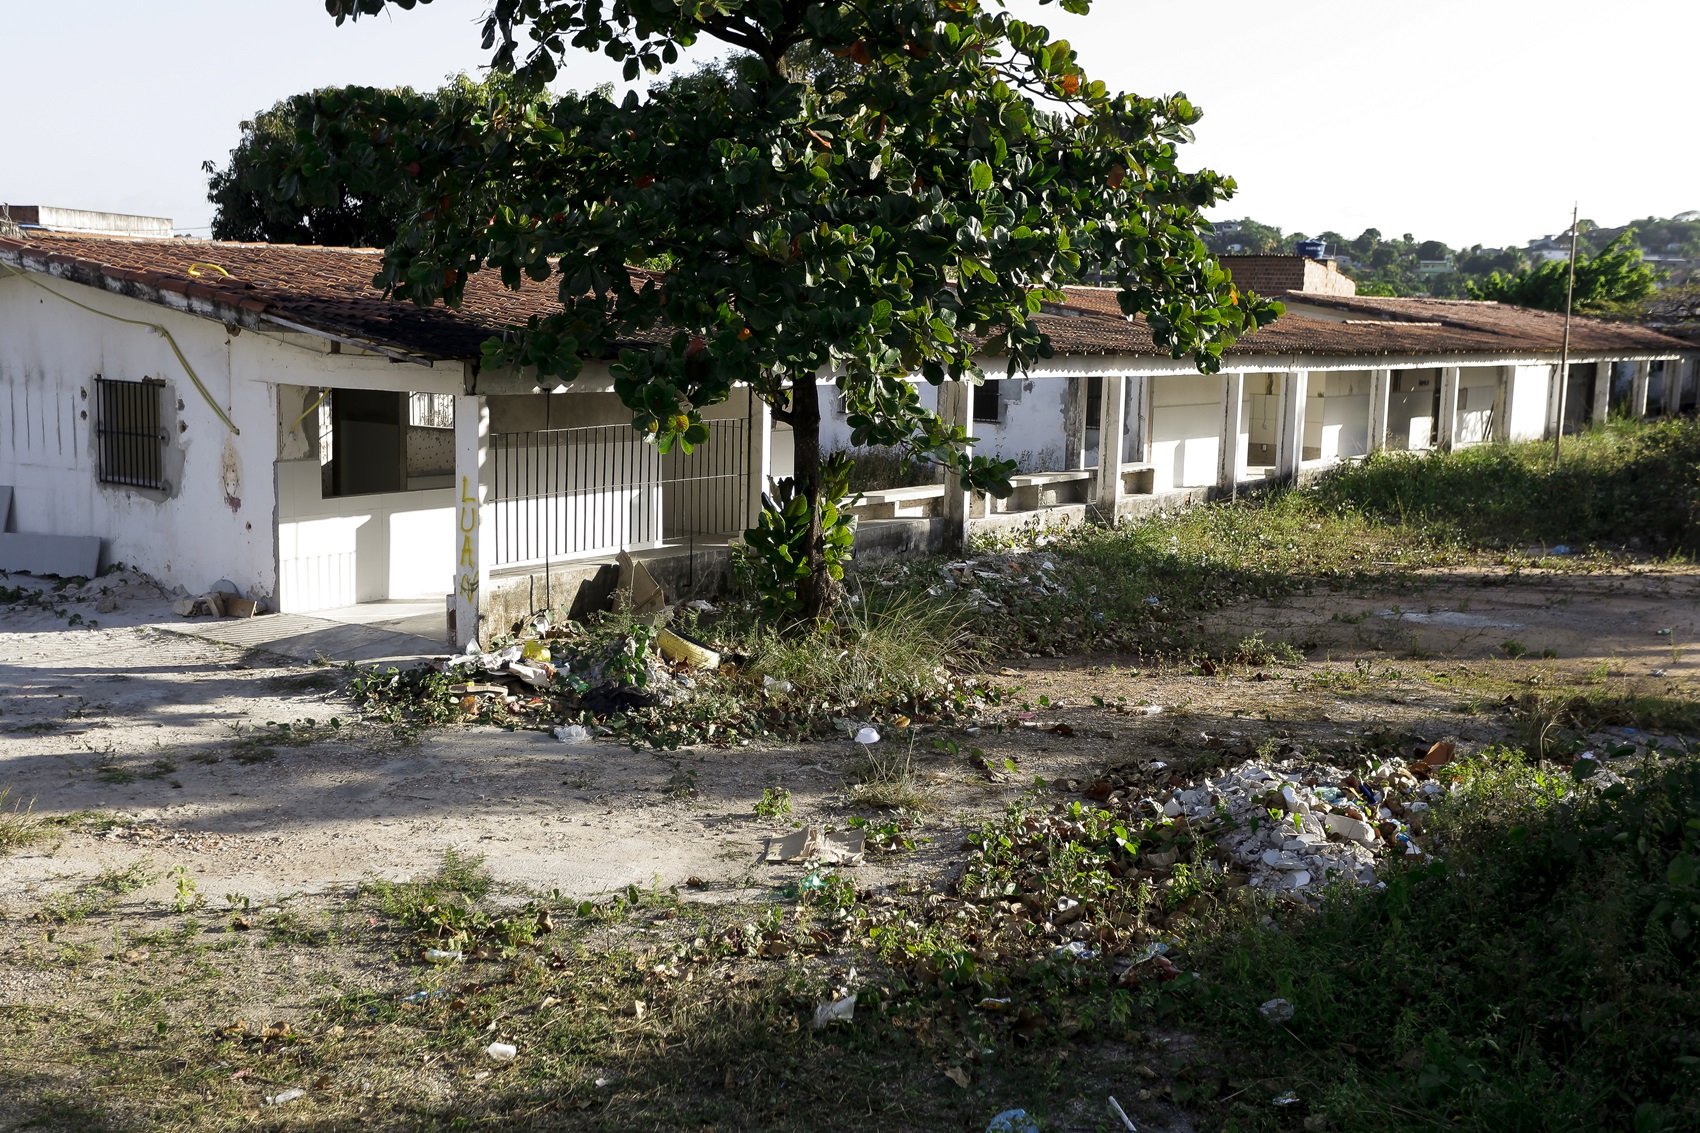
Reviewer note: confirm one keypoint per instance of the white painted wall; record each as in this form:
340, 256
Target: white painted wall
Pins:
1029, 431
1528, 388
216, 519
219, 516
1337, 415
1186, 428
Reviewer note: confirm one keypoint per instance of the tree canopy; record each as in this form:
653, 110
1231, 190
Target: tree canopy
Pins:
1606, 282
245, 190
902, 205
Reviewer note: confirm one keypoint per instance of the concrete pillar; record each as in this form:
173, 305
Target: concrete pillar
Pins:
1290, 441
1228, 470
1673, 387
1112, 427
760, 469
956, 408
1638, 384
1075, 423
1447, 427
1602, 392
1380, 392
1138, 445
473, 547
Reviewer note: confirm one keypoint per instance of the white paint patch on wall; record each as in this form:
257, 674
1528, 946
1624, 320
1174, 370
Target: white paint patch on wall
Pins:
1337, 415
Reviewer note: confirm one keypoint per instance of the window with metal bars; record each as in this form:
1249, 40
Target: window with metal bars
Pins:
130, 433
988, 400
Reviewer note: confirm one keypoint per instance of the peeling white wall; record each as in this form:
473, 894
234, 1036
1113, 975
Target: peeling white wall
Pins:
1186, 430
216, 518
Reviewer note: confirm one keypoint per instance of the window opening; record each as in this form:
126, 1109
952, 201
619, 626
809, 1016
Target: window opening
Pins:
130, 432
988, 400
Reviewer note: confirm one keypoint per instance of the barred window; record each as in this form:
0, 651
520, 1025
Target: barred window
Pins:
431, 410
988, 400
130, 433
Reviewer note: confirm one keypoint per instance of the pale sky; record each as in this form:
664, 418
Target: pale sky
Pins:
1468, 121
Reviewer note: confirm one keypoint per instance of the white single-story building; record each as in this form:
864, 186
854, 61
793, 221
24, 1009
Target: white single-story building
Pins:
259, 413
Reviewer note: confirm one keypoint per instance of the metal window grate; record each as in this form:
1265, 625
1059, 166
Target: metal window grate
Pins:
988, 400
559, 493
131, 438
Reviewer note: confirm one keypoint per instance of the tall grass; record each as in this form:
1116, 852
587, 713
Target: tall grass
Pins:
1627, 480
882, 645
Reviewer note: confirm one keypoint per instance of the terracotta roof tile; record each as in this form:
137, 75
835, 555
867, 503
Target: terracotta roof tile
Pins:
331, 289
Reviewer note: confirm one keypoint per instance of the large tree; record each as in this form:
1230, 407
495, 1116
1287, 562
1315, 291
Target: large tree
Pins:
900, 212
244, 191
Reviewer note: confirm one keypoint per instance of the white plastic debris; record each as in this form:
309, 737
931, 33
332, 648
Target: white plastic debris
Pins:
442, 956
835, 1011
867, 734
768, 684
285, 1097
1277, 1011
573, 734
502, 1052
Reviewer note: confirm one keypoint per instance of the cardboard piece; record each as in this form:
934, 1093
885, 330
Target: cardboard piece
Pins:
813, 843
640, 586
68, 556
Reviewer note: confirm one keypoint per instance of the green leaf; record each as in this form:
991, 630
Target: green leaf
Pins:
980, 176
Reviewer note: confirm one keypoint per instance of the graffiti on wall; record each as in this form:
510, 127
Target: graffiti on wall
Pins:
466, 569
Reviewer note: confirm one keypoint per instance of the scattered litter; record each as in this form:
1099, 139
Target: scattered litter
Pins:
419, 997
836, 1010
1277, 1011
286, 1096
1076, 950
1116, 1108
813, 843
1660, 673
635, 580
867, 735
1561, 549
768, 684
441, 956
573, 734
1288, 1098
990, 1004
1666, 632
1012, 1121
958, 1075
502, 1052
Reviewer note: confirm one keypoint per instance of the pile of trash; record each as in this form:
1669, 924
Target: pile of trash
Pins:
1292, 824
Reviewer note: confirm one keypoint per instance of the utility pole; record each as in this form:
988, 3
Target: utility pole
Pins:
1564, 353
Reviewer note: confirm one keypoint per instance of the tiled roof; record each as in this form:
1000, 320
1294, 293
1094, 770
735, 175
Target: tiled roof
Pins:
331, 289
1376, 327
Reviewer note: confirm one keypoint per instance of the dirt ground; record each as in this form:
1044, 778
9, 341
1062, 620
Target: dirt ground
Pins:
254, 775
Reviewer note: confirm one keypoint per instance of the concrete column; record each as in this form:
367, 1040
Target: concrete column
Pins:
1673, 387
1290, 441
473, 544
956, 405
1228, 469
760, 470
1447, 429
1107, 493
1638, 384
1075, 423
1560, 375
1139, 420
1380, 392
1602, 392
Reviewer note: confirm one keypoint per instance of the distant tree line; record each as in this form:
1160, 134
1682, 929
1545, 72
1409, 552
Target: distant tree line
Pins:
1614, 274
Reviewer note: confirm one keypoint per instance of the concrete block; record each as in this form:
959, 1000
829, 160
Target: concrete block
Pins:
185, 607
1349, 828
68, 556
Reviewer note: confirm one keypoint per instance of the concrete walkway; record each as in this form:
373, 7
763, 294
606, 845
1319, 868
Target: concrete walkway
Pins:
374, 633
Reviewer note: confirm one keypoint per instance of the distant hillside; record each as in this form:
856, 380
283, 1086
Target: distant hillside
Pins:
1404, 265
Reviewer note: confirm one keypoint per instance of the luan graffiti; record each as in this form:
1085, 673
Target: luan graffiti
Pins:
467, 567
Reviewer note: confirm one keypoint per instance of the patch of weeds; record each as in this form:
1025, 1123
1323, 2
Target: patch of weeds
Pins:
1460, 995
159, 769
1514, 649
682, 784
885, 780
316, 679
775, 802
111, 771
188, 894
95, 896
260, 744
889, 833
38, 727
18, 825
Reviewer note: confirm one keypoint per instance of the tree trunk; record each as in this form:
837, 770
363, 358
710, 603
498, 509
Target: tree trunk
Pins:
815, 591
